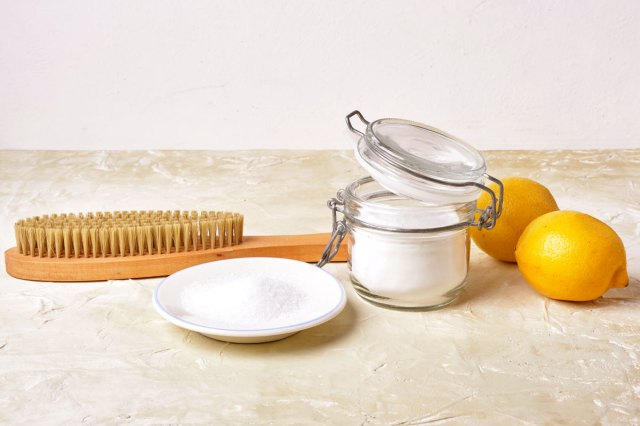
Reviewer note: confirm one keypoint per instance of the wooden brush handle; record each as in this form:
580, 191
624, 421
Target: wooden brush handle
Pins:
307, 248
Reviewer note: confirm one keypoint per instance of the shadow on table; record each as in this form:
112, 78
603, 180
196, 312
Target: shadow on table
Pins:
310, 340
629, 295
490, 280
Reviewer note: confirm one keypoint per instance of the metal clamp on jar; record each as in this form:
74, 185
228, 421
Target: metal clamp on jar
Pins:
407, 223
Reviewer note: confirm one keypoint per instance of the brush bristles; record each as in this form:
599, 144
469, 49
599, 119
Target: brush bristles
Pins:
135, 233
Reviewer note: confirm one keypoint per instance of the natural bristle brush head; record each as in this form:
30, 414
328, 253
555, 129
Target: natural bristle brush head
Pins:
126, 233
143, 244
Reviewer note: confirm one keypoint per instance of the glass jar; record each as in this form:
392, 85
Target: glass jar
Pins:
407, 225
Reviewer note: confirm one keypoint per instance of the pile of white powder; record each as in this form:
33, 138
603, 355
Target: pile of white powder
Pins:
249, 301
421, 270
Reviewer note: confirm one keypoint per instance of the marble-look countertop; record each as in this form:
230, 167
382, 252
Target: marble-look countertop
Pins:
98, 353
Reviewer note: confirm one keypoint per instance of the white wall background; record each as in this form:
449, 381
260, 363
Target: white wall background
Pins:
92, 74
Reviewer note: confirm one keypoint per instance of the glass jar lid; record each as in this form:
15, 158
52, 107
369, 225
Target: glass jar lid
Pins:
419, 161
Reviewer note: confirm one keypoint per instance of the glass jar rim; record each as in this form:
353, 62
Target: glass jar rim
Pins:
372, 205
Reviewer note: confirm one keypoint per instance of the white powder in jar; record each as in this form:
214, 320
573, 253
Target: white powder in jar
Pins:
419, 269
246, 301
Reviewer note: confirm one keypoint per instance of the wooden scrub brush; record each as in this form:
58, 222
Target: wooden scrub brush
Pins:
139, 244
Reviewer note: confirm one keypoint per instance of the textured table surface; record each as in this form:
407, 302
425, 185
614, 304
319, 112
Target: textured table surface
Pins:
98, 353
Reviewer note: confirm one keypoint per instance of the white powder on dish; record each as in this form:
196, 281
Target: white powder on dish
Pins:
249, 301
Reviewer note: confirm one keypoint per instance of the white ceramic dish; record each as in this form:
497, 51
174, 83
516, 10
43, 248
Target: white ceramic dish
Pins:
323, 298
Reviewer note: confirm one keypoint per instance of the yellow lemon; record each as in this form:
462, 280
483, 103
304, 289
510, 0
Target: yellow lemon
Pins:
568, 255
524, 200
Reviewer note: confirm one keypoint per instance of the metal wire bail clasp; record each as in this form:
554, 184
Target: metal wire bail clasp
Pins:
488, 216
338, 233
350, 126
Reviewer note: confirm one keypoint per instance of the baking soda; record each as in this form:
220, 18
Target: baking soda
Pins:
416, 268
248, 301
